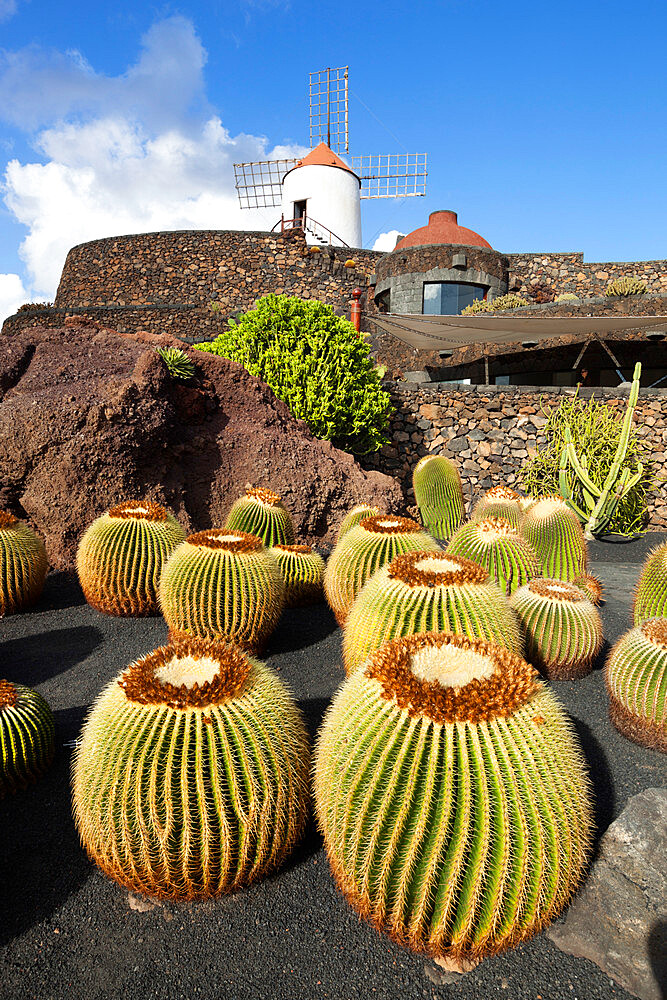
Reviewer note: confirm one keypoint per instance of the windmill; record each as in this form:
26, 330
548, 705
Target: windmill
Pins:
321, 192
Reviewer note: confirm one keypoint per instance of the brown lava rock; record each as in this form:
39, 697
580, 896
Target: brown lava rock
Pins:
89, 418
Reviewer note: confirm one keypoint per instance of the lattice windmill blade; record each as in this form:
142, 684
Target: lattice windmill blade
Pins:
391, 175
258, 182
328, 108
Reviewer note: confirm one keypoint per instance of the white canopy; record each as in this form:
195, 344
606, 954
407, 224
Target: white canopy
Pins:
434, 333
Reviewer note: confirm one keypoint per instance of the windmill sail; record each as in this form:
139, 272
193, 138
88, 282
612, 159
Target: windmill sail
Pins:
258, 182
391, 175
328, 109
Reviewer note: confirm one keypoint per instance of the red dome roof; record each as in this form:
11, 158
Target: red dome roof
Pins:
442, 228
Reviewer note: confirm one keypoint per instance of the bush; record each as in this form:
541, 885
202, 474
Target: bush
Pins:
316, 363
626, 286
595, 433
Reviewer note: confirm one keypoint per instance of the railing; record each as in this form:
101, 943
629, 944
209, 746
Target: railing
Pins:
309, 225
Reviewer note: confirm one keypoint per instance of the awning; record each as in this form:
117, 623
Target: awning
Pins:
437, 333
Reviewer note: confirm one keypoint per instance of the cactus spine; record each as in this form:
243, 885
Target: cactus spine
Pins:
223, 584
27, 737
191, 775
439, 495
261, 512
651, 593
555, 535
563, 629
452, 796
23, 565
591, 586
355, 517
427, 592
501, 501
302, 571
601, 501
494, 544
121, 556
363, 550
636, 679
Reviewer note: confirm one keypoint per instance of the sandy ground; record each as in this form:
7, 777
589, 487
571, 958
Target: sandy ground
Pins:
68, 932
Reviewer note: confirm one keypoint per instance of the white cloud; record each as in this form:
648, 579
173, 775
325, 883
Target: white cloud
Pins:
135, 170
387, 241
12, 295
7, 9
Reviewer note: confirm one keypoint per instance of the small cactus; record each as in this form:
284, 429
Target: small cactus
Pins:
223, 584
494, 544
365, 549
651, 593
563, 629
591, 586
177, 362
556, 535
636, 679
452, 796
567, 297
628, 285
354, 517
27, 737
121, 556
439, 495
261, 512
191, 775
23, 565
501, 501
302, 571
427, 592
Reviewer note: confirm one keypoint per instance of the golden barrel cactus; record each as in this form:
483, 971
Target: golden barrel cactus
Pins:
555, 533
23, 565
223, 584
355, 517
191, 775
302, 571
651, 593
500, 501
121, 556
262, 512
495, 544
439, 495
636, 679
452, 796
27, 737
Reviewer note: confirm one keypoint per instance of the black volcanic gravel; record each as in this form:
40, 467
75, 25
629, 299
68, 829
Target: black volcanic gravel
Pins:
68, 932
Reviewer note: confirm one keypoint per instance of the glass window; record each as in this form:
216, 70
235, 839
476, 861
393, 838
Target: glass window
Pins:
449, 298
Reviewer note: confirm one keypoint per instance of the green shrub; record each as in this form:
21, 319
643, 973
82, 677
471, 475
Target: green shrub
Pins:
177, 362
626, 286
595, 432
316, 363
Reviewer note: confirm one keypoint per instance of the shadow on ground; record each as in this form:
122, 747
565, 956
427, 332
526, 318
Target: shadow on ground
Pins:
33, 659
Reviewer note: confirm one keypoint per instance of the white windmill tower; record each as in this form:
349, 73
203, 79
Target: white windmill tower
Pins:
321, 192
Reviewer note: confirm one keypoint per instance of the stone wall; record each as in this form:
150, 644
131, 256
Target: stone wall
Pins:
490, 431
567, 272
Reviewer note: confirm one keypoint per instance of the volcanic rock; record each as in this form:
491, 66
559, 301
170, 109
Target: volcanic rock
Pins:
89, 418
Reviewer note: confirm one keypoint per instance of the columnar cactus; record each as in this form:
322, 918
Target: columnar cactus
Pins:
261, 512
563, 629
121, 556
191, 775
427, 592
355, 517
636, 679
452, 796
363, 550
651, 593
494, 544
554, 532
27, 737
500, 501
23, 565
302, 571
223, 584
439, 495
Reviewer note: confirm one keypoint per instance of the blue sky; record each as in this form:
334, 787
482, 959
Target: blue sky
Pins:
545, 126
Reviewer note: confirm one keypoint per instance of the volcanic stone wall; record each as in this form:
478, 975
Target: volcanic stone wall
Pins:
490, 431
567, 272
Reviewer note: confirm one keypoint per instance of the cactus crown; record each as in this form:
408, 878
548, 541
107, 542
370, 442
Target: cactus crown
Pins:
141, 510
304, 550
388, 524
495, 527
451, 678
435, 569
228, 541
264, 496
8, 694
655, 630
556, 590
502, 493
188, 673
7, 520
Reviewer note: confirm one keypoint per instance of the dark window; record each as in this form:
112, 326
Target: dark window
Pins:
449, 298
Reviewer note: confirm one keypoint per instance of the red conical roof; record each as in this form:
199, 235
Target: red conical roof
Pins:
322, 156
442, 227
